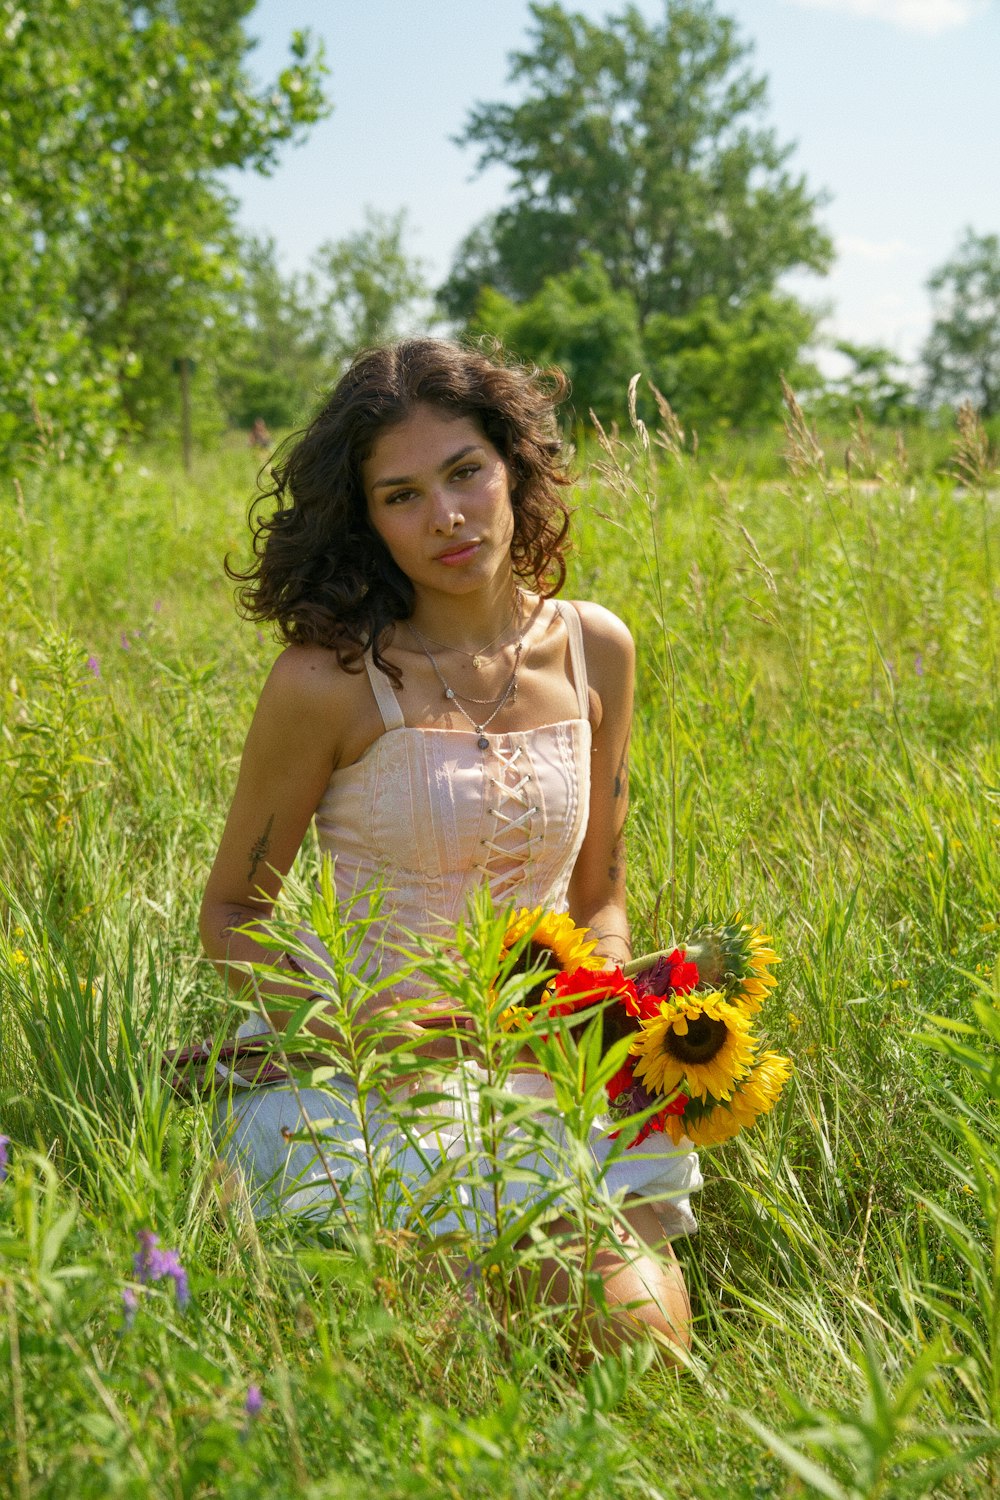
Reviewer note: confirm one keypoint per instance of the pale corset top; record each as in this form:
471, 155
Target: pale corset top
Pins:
430, 816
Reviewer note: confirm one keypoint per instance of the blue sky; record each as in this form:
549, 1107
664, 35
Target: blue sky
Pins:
894, 107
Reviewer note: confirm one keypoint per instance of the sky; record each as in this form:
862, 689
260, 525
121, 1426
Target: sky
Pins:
893, 107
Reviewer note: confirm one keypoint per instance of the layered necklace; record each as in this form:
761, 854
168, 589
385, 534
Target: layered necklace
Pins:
510, 691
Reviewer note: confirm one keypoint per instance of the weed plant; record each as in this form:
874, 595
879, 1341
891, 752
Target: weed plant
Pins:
816, 744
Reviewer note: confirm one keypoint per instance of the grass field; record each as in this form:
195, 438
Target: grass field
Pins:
817, 745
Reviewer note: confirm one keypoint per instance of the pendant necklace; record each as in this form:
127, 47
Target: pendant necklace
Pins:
453, 697
478, 658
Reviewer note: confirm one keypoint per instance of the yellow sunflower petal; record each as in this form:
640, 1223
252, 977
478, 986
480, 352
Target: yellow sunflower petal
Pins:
569, 945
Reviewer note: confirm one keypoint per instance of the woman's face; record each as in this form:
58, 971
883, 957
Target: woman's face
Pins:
438, 495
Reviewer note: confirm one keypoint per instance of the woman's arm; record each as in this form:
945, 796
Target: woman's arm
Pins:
295, 742
287, 761
597, 885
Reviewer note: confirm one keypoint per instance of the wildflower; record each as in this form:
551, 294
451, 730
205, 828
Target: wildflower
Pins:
918, 664
582, 988
983, 927
130, 1305
548, 940
126, 643
4, 1143
153, 1264
672, 973
553, 938
254, 1402
20, 958
794, 1021
710, 1121
700, 1042
627, 1096
735, 958
901, 984
94, 665
157, 606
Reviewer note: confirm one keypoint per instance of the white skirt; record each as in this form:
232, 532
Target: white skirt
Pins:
304, 1150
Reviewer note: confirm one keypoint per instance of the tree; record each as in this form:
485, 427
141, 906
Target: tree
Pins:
962, 352
367, 284
721, 366
295, 333
275, 359
117, 120
643, 145
876, 385
578, 322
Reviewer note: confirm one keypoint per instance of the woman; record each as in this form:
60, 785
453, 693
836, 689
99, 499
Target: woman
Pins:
444, 719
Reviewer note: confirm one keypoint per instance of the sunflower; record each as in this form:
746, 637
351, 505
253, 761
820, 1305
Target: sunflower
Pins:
700, 1042
709, 1122
736, 958
548, 940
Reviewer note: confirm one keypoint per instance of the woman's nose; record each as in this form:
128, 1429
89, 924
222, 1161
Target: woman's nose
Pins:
447, 516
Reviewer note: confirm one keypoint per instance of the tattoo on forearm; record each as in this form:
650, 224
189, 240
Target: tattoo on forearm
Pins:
260, 848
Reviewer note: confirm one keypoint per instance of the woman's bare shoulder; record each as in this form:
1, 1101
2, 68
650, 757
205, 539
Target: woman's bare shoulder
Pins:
604, 633
308, 690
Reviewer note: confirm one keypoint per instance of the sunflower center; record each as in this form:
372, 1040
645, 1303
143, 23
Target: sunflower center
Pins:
536, 956
703, 1040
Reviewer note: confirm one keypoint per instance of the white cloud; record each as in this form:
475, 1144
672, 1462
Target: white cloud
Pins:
873, 250
928, 16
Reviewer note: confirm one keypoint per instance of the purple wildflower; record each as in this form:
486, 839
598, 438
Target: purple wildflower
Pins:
126, 643
254, 1402
4, 1143
152, 1264
130, 1304
157, 606
94, 665
918, 664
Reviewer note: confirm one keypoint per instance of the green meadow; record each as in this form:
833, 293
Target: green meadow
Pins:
816, 746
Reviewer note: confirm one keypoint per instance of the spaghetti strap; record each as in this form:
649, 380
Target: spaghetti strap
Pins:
388, 707
574, 630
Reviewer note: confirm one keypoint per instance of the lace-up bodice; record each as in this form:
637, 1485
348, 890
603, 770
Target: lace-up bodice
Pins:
432, 815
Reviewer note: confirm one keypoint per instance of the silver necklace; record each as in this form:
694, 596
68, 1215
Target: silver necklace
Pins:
478, 658
449, 692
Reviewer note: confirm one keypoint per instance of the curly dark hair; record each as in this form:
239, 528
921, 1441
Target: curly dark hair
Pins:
321, 573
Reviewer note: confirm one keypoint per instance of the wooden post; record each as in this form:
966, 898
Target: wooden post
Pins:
184, 368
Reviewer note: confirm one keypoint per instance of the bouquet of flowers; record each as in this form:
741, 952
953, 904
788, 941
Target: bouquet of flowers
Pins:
694, 1066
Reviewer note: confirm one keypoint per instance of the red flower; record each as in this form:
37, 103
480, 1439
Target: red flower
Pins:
677, 1105
670, 975
582, 988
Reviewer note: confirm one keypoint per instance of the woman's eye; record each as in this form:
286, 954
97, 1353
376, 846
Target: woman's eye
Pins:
398, 495
466, 471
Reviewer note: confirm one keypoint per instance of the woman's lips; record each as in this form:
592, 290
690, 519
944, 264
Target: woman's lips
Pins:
457, 555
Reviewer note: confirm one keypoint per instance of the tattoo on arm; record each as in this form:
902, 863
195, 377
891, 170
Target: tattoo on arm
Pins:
260, 848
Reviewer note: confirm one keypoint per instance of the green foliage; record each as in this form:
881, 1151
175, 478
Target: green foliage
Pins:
578, 322
875, 386
643, 145
296, 333
722, 366
117, 119
962, 353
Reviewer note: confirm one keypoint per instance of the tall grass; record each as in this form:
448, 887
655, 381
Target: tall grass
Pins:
816, 743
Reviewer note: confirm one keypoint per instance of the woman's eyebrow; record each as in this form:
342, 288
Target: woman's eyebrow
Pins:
408, 478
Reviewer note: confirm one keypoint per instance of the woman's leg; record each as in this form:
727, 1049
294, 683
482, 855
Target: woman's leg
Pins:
643, 1289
